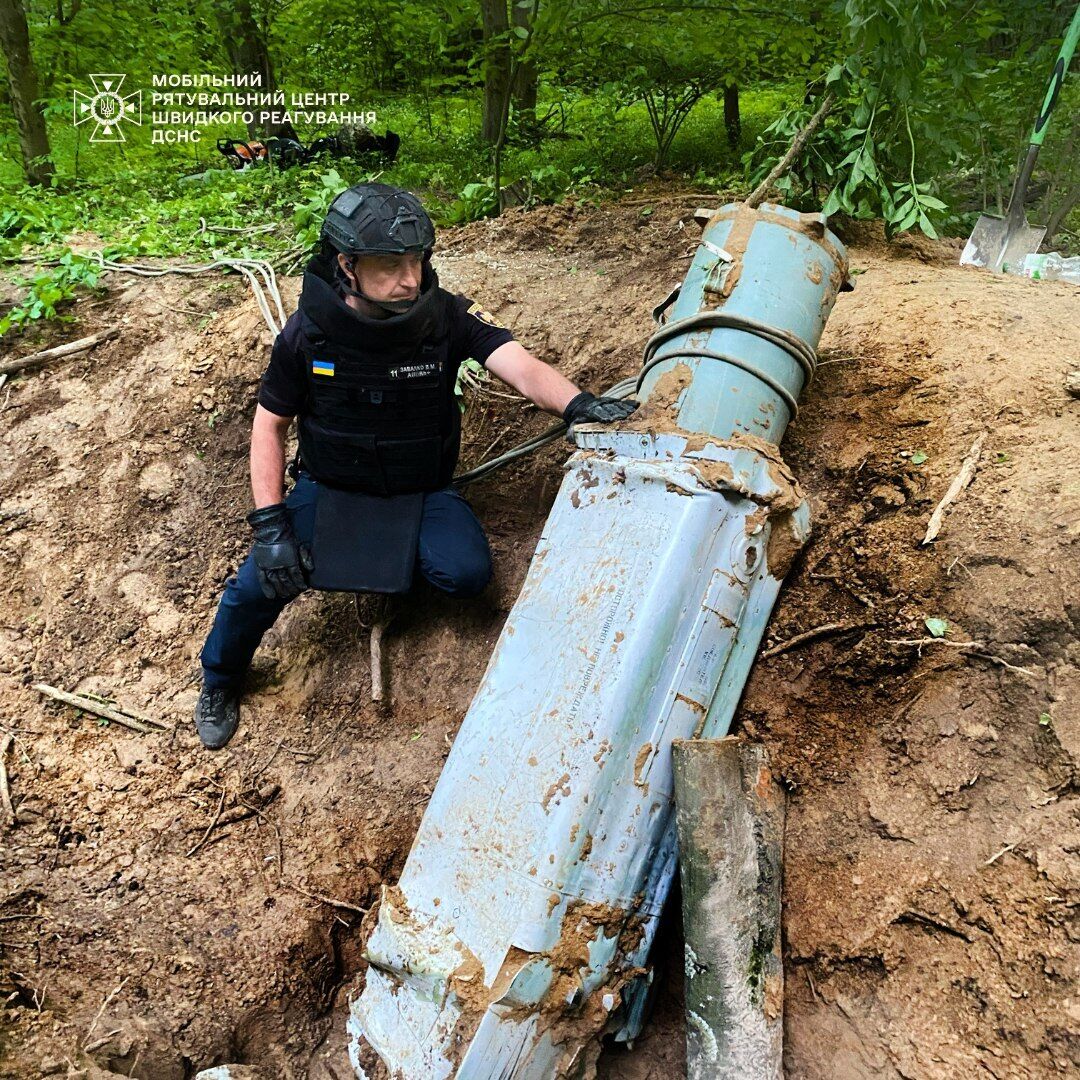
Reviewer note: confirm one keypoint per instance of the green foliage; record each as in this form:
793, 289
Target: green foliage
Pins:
662, 58
308, 216
473, 374
935, 99
931, 95
476, 200
48, 289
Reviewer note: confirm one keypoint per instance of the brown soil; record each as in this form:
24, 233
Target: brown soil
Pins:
932, 837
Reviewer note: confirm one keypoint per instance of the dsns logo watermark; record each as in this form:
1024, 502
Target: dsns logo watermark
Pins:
107, 108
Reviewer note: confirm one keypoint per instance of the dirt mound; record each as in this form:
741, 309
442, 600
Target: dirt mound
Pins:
931, 859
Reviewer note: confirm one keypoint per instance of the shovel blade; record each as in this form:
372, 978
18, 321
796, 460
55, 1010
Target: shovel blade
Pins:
996, 243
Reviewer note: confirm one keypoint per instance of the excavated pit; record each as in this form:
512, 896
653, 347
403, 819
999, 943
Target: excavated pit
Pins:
931, 841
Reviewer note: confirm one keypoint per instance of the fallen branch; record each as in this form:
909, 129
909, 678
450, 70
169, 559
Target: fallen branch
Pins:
259, 800
46, 356
826, 630
960, 481
123, 709
328, 900
757, 196
142, 724
970, 648
5, 790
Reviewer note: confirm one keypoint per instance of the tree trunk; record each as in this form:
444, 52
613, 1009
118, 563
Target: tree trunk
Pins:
23, 89
1063, 191
524, 91
1069, 200
730, 818
732, 119
248, 52
496, 67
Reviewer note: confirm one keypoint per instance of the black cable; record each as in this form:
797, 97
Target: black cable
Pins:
802, 353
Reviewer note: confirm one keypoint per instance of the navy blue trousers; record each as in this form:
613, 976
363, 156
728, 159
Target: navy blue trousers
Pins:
452, 555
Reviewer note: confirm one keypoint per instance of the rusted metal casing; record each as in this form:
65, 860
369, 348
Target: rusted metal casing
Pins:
521, 926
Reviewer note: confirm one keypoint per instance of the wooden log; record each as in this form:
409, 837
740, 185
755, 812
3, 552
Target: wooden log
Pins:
730, 815
46, 356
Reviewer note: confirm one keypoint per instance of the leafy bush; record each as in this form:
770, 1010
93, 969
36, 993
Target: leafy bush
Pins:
50, 288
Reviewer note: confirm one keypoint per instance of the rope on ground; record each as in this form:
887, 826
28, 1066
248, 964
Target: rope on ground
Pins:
260, 276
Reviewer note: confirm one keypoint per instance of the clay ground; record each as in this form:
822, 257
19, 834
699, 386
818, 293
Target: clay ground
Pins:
932, 835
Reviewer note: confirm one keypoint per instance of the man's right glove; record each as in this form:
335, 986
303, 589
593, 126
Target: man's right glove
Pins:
588, 408
281, 560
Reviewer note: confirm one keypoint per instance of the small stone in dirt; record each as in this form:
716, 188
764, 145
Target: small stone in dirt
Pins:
978, 732
884, 496
129, 753
1072, 382
232, 1072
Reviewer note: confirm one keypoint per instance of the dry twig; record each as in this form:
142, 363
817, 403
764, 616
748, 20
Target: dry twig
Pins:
104, 1005
5, 789
210, 827
123, 709
263, 797
328, 900
377, 690
1004, 851
375, 612
46, 356
97, 1044
970, 648
826, 630
960, 481
115, 714
277, 833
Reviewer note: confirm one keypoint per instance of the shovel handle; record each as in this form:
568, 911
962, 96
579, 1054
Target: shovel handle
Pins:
1057, 77
1064, 58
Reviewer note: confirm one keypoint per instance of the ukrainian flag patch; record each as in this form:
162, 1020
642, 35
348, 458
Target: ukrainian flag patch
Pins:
322, 367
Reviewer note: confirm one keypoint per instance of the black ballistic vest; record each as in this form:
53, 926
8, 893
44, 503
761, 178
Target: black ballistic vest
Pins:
381, 416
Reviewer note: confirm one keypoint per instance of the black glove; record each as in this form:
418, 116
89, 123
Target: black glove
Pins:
279, 557
588, 408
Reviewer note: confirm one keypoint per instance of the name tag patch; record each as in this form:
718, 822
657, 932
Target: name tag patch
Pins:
415, 371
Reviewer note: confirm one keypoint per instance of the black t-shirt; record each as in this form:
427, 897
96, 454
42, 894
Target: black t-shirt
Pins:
473, 334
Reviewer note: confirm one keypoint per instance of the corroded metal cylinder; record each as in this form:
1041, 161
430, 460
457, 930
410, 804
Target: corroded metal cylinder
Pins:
521, 926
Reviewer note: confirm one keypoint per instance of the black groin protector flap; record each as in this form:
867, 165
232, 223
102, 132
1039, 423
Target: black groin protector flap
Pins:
365, 543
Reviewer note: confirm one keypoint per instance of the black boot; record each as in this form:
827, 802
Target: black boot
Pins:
217, 715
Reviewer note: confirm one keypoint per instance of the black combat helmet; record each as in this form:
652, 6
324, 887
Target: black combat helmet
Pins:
378, 219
